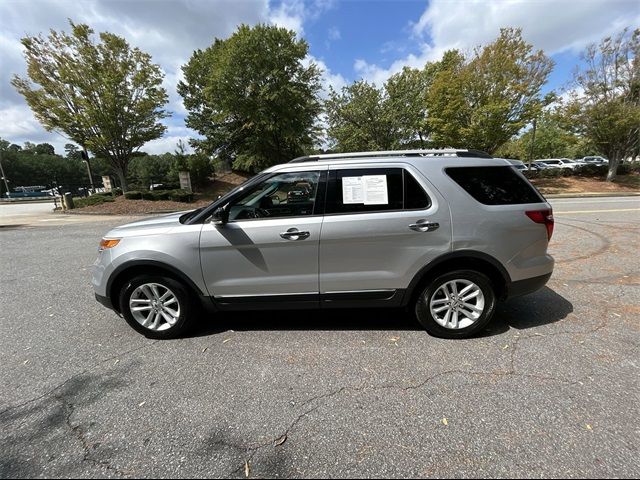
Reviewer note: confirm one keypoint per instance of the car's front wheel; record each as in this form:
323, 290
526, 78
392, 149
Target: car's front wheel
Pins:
457, 304
156, 306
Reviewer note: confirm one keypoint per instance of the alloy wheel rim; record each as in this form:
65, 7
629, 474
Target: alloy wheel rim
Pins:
154, 306
457, 304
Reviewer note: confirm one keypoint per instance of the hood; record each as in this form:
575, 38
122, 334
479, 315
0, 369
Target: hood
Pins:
148, 226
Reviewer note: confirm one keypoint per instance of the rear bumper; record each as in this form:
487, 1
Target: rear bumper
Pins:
106, 301
529, 285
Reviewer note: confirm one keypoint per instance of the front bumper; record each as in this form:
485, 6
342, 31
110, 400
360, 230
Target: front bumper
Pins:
106, 301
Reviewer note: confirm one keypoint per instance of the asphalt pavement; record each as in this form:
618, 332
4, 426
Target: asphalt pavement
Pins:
551, 390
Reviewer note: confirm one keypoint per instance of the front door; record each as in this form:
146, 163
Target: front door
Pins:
268, 250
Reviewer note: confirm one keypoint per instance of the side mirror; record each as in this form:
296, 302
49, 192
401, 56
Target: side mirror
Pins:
220, 216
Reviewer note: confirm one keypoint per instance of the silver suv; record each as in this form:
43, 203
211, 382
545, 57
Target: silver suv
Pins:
445, 233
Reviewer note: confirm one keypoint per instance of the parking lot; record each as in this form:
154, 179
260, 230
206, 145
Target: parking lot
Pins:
551, 390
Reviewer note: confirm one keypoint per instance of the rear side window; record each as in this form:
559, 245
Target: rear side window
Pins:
495, 185
374, 190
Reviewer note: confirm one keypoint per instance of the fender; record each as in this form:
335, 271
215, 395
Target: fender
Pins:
458, 254
152, 263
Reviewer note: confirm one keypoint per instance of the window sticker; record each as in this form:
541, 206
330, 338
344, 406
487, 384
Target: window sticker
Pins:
365, 190
375, 190
352, 190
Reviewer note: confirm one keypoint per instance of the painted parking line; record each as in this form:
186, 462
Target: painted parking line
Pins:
555, 212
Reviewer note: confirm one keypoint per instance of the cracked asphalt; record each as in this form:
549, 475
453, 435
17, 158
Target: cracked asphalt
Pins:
550, 390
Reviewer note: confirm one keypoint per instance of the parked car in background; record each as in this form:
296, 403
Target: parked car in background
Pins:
561, 163
445, 233
595, 160
538, 165
518, 164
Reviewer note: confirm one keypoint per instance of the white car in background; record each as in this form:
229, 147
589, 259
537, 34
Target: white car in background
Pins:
561, 163
595, 160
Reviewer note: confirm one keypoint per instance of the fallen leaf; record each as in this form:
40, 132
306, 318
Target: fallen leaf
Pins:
505, 347
116, 362
589, 427
25, 362
247, 471
205, 349
280, 441
394, 339
617, 314
226, 340
141, 404
445, 421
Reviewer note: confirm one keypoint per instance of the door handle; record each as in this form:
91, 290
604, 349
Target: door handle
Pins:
294, 234
424, 226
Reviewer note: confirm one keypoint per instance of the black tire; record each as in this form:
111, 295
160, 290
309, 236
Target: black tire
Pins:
182, 294
423, 311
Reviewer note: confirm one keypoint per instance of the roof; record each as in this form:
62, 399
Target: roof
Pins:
447, 152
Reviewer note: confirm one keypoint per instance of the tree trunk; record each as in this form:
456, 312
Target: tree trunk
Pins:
613, 168
123, 179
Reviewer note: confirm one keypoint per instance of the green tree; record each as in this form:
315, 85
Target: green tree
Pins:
553, 140
605, 107
359, 119
104, 96
363, 117
484, 101
72, 150
200, 169
252, 97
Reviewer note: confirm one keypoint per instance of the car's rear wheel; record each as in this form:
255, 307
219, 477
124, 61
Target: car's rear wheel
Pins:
457, 304
158, 307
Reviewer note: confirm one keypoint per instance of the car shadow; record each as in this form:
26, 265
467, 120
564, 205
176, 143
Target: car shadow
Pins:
540, 308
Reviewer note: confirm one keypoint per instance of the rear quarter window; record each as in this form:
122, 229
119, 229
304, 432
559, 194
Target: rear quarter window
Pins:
495, 185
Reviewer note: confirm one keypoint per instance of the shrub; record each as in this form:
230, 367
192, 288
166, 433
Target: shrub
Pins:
149, 195
591, 170
133, 195
181, 196
624, 169
116, 192
162, 194
92, 200
550, 173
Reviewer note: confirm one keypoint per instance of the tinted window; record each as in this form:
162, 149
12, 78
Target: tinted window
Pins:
282, 195
347, 189
495, 185
414, 196
393, 189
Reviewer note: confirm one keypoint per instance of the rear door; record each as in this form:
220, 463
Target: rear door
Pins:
383, 222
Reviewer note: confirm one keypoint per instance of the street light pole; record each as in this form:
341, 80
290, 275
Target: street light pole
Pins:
85, 159
4, 177
533, 140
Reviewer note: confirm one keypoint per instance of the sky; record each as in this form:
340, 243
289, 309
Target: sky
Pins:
349, 40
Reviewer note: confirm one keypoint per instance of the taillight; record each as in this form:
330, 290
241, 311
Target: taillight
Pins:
543, 216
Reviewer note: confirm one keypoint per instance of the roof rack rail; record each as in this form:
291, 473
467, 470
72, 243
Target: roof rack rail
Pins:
443, 152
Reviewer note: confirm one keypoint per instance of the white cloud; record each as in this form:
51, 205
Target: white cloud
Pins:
552, 25
328, 79
334, 34
290, 15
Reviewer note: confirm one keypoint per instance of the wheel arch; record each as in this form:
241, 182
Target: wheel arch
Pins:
460, 260
132, 268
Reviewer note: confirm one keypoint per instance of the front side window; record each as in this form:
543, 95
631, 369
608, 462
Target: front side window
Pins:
282, 195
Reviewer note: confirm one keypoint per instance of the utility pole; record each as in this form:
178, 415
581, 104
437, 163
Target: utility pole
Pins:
533, 141
4, 177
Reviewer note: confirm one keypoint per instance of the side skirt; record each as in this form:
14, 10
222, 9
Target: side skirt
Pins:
351, 299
